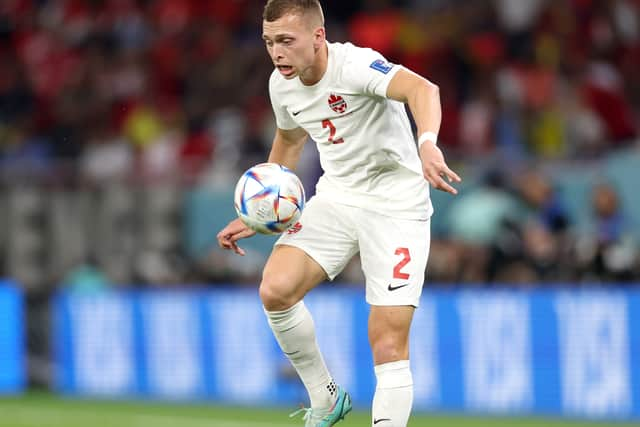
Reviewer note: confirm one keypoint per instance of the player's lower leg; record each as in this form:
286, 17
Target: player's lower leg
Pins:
389, 339
393, 397
295, 332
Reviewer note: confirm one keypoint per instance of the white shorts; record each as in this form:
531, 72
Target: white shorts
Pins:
393, 251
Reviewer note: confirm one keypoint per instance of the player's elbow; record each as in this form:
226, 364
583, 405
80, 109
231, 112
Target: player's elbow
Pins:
424, 92
432, 89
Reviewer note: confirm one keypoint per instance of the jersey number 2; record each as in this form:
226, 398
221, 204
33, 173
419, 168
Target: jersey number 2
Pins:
397, 273
326, 123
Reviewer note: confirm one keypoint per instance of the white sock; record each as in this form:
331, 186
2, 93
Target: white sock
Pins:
295, 332
394, 394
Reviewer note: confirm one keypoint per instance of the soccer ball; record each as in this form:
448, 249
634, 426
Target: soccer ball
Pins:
269, 198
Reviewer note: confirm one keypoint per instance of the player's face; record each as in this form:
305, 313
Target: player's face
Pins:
292, 43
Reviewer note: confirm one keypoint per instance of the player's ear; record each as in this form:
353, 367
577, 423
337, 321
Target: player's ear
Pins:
319, 37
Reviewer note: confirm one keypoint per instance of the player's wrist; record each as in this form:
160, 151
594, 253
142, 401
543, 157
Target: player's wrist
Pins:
432, 137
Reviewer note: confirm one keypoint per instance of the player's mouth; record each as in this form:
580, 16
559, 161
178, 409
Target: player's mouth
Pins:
286, 70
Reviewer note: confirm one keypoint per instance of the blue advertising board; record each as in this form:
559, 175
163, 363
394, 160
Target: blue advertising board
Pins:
560, 352
12, 357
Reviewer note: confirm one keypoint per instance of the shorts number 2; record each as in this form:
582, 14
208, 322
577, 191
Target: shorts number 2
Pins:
397, 273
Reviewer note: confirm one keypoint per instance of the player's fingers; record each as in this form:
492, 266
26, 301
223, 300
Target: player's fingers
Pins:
223, 241
451, 175
241, 235
430, 176
433, 175
444, 186
237, 249
226, 245
440, 184
227, 242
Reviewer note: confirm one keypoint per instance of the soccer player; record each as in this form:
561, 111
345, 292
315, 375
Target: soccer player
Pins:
373, 198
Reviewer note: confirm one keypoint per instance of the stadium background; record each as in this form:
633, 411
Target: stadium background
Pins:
124, 124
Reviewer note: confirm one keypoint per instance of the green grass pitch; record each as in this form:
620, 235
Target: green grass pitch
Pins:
46, 410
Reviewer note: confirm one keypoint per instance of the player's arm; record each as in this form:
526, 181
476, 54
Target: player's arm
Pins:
423, 98
287, 147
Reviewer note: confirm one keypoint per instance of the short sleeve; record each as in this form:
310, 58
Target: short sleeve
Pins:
283, 118
367, 71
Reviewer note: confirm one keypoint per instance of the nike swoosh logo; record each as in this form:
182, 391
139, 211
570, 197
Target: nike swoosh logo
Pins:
295, 113
292, 353
393, 288
380, 420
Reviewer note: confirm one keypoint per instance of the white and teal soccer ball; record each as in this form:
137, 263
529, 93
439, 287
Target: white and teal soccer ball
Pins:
269, 198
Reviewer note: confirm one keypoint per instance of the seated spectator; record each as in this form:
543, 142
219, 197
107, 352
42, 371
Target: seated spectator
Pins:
607, 250
537, 241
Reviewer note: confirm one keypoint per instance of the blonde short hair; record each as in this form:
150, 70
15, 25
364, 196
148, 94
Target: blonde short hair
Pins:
276, 9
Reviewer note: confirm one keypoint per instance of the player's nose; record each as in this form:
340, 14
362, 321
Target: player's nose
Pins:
276, 53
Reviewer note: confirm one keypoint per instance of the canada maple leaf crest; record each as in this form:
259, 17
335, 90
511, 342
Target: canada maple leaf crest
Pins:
295, 228
337, 103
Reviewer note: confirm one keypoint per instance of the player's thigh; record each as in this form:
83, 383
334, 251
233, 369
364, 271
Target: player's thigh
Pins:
288, 275
394, 255
316, 248
327, 233
389, 328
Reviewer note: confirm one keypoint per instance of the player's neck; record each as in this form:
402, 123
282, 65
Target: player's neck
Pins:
314, 73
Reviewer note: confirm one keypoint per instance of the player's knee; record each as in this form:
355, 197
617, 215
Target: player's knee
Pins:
388, 349
275, 293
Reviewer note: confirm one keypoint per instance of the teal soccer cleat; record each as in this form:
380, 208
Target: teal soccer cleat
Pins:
327, 418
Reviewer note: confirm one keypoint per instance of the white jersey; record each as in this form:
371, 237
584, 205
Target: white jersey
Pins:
367, 149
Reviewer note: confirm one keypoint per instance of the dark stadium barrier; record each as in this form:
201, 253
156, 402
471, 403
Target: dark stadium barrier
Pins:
12, 343
561, 352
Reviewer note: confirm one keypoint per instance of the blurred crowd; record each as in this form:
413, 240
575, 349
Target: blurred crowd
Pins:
174, 92
523, 234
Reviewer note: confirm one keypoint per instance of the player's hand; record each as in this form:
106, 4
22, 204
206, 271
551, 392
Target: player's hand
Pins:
435, 170
234, 231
